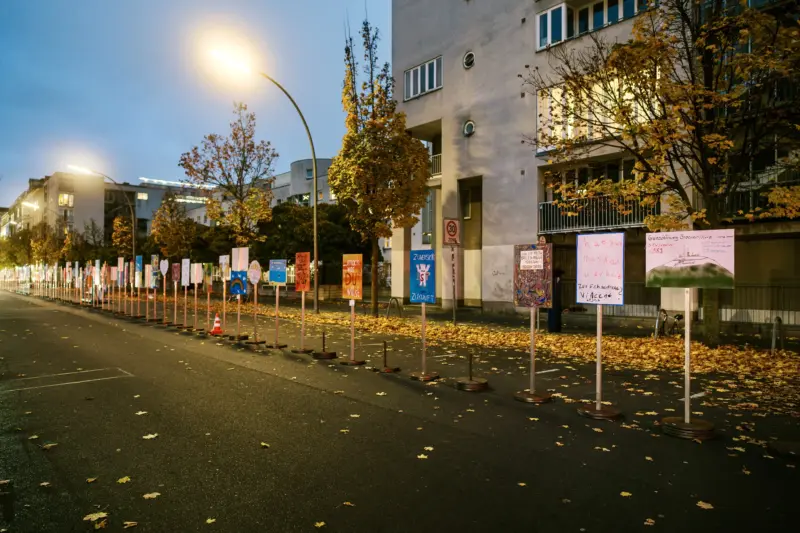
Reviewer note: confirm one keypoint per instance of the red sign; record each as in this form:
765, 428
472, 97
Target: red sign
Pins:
452, 231
352, 267
302, 272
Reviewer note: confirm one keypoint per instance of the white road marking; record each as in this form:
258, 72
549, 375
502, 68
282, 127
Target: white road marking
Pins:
548, 371
65, 374
697, 395
67, 383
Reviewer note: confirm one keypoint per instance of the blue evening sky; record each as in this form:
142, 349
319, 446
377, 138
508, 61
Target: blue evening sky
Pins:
123, 86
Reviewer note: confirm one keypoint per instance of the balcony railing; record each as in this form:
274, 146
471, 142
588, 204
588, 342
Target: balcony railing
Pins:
752, 195
436, 165
591, 214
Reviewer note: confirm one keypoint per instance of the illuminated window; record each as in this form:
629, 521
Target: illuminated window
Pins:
66, 200
141, 196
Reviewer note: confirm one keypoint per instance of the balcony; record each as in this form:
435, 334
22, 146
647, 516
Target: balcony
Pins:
591, 214
436, 165
751, 196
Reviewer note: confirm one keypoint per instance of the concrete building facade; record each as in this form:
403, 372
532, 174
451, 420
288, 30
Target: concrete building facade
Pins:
457, 65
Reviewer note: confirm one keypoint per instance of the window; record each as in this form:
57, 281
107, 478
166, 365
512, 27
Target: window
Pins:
205, 219
613, 11
469, 128
570, 23
387, 243
466, 204
628, 8
423, 78
141, 196
332, 196
309, 173
427, 217
583, 20
66, 200
469, 60
556, 24
598, 15
551, 26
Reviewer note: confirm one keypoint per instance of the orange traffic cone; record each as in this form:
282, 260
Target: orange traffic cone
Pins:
217, 326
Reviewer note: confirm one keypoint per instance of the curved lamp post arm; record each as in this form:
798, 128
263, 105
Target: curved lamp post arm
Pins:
130, 207
314, 170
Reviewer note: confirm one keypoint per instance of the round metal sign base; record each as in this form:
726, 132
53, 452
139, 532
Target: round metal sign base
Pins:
276, 346
350, 362
604, 413
187, 331
427, 376
386, 370
472, 385
305, 350
324, 355
674, 426
532, 397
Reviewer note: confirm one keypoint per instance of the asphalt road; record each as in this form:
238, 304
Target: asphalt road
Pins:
282, 443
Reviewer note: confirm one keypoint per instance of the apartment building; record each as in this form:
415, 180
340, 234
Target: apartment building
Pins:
456, 64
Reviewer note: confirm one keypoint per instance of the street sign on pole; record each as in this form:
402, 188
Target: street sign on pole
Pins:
277, 272
352, 266
452, 231
423, 277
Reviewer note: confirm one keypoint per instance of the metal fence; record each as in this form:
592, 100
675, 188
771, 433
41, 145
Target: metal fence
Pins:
592, 214
759, 304
436, 164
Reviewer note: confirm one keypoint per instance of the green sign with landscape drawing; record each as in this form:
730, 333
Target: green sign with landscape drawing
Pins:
690, 259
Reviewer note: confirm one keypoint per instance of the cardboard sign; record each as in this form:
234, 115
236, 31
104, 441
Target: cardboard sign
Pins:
254, 272
352, 268
302, 272
533, 287
197, 273
176, 272
239, 282
186, 266
225, 267
277, 272
148, 275
164, 267
423, 277
601, 269
689, 259
240, 259
452, 231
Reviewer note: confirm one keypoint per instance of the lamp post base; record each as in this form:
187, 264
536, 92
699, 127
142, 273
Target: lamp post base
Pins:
472, 385
604, 413
674, 426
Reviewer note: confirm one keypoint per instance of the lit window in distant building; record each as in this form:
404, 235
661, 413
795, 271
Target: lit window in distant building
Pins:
388, 243
332, 196
66, 200
141, 196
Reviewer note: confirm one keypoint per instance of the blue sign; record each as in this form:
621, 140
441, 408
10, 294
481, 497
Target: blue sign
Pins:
138, 263
423, 277
277, 271
239, 282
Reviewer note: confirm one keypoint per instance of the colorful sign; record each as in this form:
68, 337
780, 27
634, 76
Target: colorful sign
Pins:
186, 267
533, 275
239, 282
254, 272
208, 276
352, 268
277, 272
689, 259
601, 269
423, 277
302, 272
452, 231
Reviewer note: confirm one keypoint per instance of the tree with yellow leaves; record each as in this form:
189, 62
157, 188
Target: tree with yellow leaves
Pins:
239, 169
172, 230
703, 98
122, 235
381, 172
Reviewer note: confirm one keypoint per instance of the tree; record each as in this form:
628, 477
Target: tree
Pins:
240, 169
172, 230
45, 244
122, 236
381, 172
700, 92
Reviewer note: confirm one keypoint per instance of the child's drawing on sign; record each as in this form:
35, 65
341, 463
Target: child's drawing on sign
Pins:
533, 275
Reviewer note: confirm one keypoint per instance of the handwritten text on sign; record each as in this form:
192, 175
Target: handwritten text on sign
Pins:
601, 268
531, 260
352, 266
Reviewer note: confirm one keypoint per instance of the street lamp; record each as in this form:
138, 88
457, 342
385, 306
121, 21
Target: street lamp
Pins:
240, 66
89, 172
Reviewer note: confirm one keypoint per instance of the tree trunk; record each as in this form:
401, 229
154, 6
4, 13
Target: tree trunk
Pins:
711, 323
374, 287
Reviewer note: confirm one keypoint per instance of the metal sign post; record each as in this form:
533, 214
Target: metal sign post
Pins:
185, 306
352, 289
452, 237
423, 291
600, 281
302, 283
277, 278
175, 307
194, 322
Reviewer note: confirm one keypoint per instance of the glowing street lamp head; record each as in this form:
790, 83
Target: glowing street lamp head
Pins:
81, 170
30, 205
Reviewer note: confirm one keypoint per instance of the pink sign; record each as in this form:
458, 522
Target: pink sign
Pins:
601, 268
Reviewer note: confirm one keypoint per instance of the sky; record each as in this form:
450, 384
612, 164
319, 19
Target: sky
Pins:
125, 87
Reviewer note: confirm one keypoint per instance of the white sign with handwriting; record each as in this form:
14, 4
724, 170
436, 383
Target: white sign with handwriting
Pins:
601, 268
